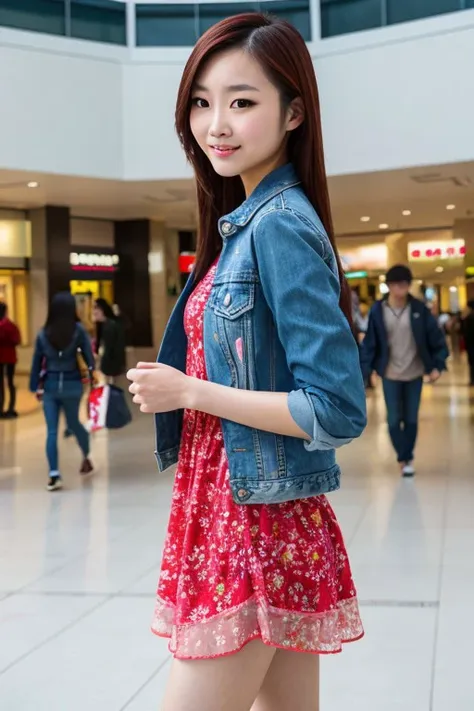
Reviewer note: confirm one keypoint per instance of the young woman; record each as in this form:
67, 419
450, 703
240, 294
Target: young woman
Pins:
259, 355
110, 340
56, 378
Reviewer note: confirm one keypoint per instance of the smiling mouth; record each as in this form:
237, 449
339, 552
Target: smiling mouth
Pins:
224, 151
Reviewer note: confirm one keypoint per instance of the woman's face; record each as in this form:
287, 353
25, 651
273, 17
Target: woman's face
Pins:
97, 314
237, 118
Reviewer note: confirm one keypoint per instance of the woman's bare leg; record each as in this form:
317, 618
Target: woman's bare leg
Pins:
224, 684
291, 683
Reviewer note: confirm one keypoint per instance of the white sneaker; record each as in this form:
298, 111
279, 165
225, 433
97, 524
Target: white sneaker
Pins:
54, 483
408, 469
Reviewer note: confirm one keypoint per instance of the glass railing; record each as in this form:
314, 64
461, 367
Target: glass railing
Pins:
97, 20
158, 25
339, 17
171, 24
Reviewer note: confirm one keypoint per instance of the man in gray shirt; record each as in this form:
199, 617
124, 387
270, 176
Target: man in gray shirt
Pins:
403, 342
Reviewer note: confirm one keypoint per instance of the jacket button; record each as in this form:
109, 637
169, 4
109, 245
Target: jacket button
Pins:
227, 300
241, 493
216, 337
226, 227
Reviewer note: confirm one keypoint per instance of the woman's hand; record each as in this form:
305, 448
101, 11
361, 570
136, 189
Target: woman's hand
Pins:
158, 388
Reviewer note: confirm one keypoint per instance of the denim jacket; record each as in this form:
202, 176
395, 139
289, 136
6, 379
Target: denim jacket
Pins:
273, 323
61, 366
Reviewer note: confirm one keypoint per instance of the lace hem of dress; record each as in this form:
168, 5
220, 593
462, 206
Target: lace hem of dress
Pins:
228, 632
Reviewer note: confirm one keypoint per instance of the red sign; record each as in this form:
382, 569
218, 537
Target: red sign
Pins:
186, 262
454, 249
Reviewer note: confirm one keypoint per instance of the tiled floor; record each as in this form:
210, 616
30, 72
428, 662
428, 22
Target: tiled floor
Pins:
78, 569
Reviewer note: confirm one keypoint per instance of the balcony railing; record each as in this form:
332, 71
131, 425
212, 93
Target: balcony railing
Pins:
157, 25
340, 17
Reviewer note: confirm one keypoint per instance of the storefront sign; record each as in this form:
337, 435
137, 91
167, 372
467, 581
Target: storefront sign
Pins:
432, 251
356, 275
371, 257
93, 261
187, 261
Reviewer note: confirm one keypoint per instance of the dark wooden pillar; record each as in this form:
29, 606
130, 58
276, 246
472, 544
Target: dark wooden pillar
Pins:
58, 247
132, 280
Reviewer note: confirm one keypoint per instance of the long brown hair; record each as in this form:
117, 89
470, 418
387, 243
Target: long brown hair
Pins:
283, 55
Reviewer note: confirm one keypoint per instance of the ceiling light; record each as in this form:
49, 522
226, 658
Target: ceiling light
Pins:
453, 289
366, 218
33, 184
406, 213
450, 207
383, 226
439, 269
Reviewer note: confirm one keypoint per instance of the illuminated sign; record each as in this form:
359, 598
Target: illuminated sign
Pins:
432, 251
366, 257
92, 261
356, 275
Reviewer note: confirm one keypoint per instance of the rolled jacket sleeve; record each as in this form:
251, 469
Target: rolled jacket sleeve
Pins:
294, 261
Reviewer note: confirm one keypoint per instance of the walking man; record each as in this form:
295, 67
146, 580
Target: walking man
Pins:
403, 343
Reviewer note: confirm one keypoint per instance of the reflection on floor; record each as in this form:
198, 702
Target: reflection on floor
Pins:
78, 569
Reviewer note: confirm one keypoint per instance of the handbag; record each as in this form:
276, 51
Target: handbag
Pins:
108, 408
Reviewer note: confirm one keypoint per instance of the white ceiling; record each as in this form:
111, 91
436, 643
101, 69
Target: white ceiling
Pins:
425, 191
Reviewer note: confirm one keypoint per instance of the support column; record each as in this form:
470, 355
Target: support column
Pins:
464, 229
49, 263
158, 281
132, 280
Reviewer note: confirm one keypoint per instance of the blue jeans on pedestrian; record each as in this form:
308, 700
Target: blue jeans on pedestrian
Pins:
403, 403
69, 401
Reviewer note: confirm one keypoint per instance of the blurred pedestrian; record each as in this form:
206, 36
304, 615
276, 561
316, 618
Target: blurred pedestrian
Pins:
110, 339
57, 380
403, 342
9, 340
468, 333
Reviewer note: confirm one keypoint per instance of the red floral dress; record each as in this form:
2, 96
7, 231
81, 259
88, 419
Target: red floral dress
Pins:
233, 573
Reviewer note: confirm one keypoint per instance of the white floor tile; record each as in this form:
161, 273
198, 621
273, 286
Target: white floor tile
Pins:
402, 583
28, 620
148, 698
99, 663
388, 670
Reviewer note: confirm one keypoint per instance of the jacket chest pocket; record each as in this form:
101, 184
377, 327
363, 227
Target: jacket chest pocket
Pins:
231, 301
232, 307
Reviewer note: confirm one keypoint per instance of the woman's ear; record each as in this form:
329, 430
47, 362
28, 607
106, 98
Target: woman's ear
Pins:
295, 115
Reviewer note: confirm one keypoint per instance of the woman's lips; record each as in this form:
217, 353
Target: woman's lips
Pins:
224, 151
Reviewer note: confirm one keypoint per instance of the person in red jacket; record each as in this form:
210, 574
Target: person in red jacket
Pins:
9, 339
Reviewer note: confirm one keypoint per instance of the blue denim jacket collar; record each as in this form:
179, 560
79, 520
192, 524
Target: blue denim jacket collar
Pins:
272, 184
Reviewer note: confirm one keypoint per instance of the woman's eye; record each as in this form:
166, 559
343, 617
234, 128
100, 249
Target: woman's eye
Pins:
242, 104
200, 103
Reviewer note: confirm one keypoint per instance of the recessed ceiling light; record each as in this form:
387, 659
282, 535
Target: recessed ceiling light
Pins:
450, 207
33, 184
439, 269
383, 226
406, 213
366, 218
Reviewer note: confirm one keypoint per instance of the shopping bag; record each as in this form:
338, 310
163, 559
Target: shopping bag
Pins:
98, 402
118, 412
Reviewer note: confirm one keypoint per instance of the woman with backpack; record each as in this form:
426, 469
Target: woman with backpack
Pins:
56, 379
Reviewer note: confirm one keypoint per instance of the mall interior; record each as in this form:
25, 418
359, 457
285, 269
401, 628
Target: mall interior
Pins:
96, 197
